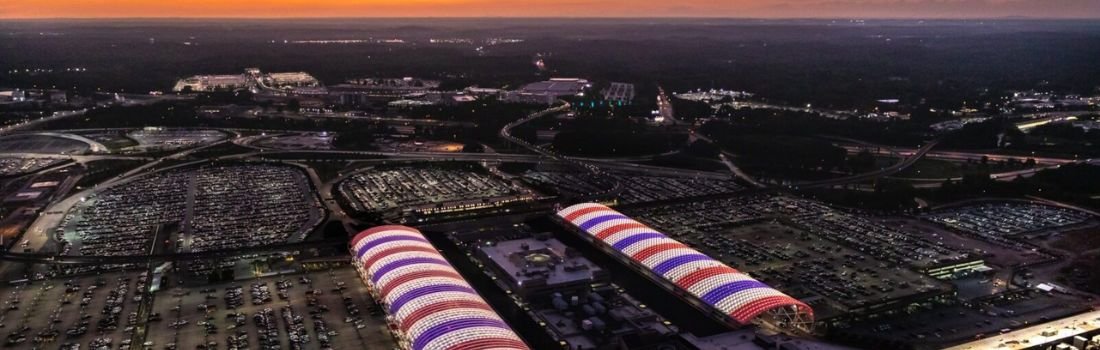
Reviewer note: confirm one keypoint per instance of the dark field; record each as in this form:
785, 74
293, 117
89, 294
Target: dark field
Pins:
828, 63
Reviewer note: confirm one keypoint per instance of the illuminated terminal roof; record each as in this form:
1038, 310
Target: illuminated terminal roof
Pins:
430, 304
717, 285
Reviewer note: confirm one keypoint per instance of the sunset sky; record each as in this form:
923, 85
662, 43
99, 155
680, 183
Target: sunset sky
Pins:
550, 8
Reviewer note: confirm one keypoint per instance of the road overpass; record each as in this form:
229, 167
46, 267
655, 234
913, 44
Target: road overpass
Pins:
954, 155
893, 169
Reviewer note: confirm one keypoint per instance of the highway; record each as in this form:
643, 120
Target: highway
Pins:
912, 155
725, 156
506, 131
1039, 119
55, 116
73, 157
612, 163
664, 107
910, 159
93, 145
39, 228
1043, 163
125, 99
384, 120
955, 155
37, 234
823, 112
738, 172
887, 171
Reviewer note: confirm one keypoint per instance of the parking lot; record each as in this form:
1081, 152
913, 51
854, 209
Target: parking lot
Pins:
702, 216
805, 265
807, 249
160, 139
103, 310
640, 189
408, 145
240, 206
388, 188
568, 184
15, 166
68, 311
883, 242
203, 209
1000, 220
118, 221
636, 188
42, 144
854, 230
328, 309
297, 141
1001, 255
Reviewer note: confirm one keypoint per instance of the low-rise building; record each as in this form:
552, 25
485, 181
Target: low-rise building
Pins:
621, 93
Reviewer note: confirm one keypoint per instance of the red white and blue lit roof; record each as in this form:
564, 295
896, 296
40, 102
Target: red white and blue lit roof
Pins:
723, 288
429, 302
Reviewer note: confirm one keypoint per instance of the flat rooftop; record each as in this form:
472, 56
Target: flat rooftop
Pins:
1047, 333
531, 261
748, 339
556, 86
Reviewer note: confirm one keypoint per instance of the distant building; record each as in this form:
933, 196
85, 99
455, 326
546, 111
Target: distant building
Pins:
223, 111
309, 91
713, 95
314, 105
210, 83
368, 90
1038, 101
956, 124
462, 98
289, 80
13, 95
252, 78
621, 93
409, 103
546, 92
482, 92
557, 86
522, 97
59, 97
885, 116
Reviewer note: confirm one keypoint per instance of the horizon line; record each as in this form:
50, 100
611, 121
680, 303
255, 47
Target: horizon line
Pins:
848, 18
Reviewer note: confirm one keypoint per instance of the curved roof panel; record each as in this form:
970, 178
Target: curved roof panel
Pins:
432, 306
710, 281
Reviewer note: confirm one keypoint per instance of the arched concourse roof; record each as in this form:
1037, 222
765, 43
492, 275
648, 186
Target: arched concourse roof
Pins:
431, 304
723, 288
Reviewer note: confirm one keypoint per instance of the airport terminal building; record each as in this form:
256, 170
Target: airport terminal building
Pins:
722, 292
430, 306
